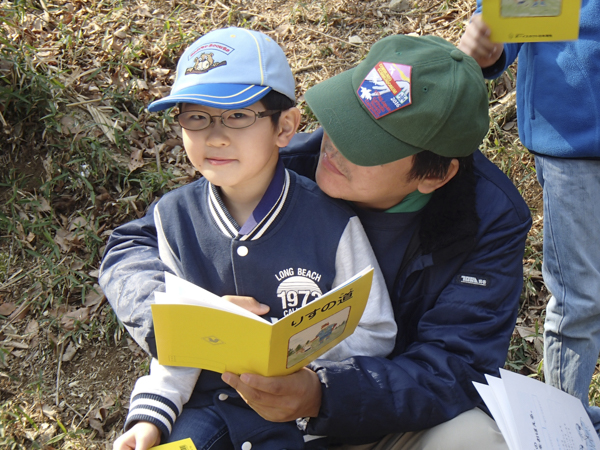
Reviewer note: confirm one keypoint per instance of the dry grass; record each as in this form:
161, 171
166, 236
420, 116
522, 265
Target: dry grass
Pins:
80, 154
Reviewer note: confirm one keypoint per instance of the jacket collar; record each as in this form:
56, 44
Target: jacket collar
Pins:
265, 213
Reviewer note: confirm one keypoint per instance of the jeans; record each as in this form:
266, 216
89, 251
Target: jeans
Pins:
571, 270
204, 426
228, 424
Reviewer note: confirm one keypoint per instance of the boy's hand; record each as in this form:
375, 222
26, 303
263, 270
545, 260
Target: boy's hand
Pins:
476, 43
248, 303
142, 436
279, 399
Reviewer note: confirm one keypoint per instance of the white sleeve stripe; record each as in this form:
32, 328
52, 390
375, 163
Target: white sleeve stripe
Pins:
136, 414
148, 403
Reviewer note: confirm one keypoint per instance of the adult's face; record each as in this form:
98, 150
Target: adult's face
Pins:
372, 187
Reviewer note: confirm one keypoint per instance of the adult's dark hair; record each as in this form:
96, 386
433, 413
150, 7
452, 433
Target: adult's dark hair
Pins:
275, 100
427, 164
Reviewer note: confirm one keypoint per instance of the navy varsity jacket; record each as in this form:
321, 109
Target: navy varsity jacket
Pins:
298, 242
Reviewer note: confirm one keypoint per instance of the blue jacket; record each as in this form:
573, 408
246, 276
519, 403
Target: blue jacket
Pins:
558, 90
299, 243
455, 293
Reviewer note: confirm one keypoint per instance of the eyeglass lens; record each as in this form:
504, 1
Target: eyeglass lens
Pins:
199, 120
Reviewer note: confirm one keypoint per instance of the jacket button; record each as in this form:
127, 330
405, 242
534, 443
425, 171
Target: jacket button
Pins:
223, 397
247, 445
242, 251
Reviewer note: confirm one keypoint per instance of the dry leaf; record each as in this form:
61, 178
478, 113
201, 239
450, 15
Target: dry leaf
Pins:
78, 223
96, 425
48, 411
63, 239
69, 125
509, 125
43, 206
526, 332
53, 339
19, 313
94, 299
121, 33
7, 308
282, 30
32, 329
69, 352
141, 84
136, 160
78, 315
103, 122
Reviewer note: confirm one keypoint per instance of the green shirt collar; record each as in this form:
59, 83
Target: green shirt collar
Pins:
411, 203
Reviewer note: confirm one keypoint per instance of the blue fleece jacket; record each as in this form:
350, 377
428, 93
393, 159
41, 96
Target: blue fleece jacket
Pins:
558, 90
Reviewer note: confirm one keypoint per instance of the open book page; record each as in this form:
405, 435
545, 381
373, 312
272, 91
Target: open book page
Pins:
181, 292
534, 415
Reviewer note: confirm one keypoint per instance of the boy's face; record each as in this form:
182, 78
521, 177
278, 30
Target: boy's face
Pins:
233, 159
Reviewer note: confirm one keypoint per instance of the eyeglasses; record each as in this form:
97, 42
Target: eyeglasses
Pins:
232, 118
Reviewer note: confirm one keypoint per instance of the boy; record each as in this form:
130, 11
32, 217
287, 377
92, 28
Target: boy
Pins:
226, 82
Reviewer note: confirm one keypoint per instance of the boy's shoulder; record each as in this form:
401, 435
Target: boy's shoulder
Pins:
183, 193
309, 192
190, 199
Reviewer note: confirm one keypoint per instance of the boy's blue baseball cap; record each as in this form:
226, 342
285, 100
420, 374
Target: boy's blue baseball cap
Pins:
229, 68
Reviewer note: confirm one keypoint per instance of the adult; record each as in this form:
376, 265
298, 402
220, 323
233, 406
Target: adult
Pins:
401, 132
558, 103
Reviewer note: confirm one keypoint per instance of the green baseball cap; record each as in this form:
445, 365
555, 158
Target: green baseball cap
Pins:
411, 93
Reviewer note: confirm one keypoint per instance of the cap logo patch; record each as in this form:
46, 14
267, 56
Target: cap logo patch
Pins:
205, 61
386, 89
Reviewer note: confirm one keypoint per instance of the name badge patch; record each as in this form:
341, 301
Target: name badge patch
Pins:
386, 89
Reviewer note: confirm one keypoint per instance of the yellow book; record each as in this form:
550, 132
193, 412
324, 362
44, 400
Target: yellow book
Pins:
195, 328
184, 444
532, 20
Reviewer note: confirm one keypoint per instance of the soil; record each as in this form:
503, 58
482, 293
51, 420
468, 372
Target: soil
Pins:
66, 370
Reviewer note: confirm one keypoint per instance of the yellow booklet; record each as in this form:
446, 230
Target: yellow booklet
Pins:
532, 20
184, 444
195, 328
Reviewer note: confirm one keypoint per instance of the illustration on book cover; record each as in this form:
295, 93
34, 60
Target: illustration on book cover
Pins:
530, 8
301, 345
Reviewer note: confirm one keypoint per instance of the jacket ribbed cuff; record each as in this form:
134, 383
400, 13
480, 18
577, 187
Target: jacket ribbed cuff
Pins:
152, 408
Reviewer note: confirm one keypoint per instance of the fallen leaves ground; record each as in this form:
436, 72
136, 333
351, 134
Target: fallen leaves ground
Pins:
67, 367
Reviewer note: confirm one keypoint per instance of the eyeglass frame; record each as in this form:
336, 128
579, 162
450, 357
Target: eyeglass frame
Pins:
257, 115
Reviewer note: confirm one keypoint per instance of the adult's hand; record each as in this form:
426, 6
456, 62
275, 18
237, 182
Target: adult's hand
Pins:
248, 303
476, 42
279, 399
